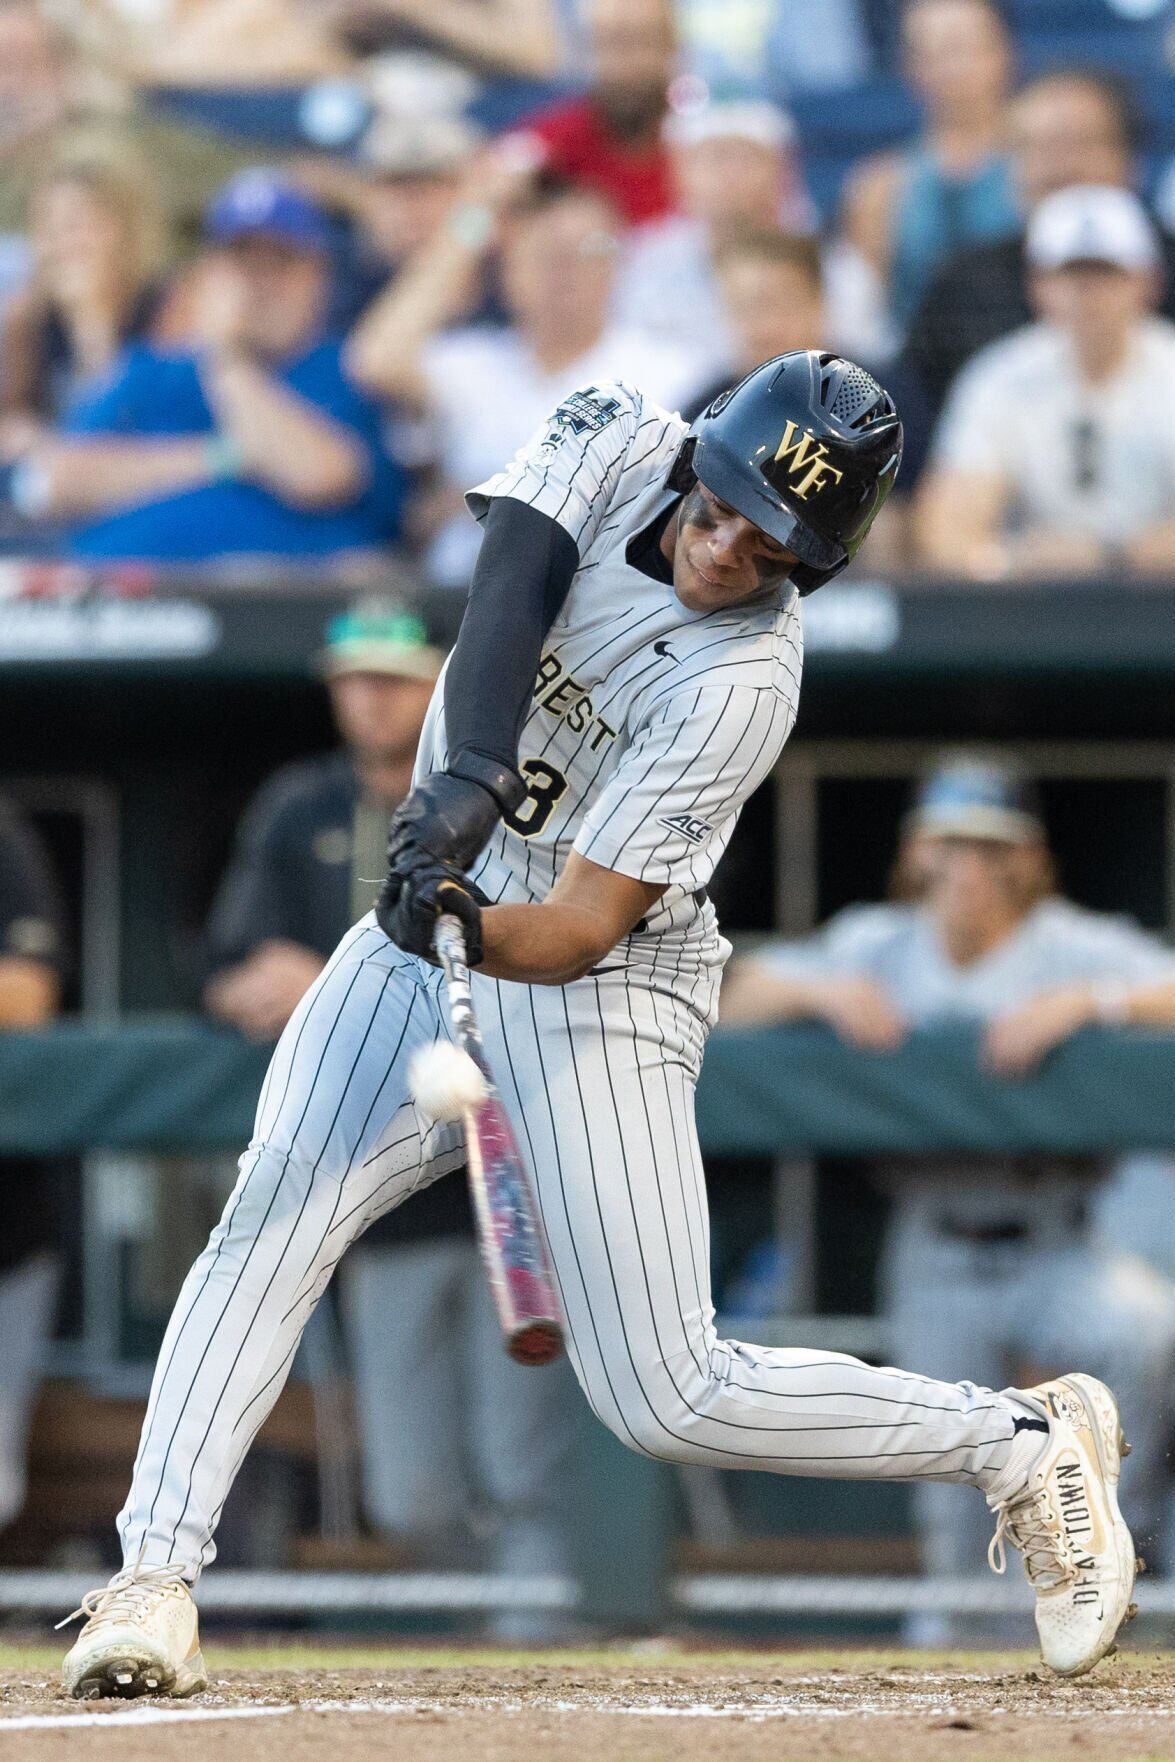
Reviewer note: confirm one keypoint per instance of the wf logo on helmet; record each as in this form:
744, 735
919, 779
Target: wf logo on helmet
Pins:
807, 458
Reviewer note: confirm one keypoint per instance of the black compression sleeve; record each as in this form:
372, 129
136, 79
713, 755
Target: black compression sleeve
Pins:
522, 577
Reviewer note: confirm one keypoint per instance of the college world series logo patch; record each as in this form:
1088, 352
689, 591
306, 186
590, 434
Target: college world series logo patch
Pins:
583, 412
587, 411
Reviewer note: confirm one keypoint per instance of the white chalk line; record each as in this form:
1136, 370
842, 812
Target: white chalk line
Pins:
140, 1716
920, 1707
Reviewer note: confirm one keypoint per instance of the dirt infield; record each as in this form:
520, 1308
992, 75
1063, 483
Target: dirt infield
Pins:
638, 1705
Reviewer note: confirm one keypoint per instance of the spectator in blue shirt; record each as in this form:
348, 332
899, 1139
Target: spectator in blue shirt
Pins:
251, 442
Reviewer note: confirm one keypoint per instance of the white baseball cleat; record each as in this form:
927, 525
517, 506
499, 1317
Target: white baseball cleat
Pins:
1065, 1521
141, 1637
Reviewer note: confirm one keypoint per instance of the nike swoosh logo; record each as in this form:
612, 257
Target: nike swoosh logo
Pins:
663, 648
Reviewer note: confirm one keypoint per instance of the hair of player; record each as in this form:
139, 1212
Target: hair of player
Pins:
773, 244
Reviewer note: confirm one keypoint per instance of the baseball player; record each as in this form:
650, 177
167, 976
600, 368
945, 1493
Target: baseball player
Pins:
625, 676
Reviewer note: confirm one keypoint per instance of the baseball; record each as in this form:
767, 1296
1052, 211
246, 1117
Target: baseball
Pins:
445, 1081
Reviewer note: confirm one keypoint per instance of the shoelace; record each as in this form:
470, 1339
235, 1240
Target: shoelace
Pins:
126, 1593
1027, 1526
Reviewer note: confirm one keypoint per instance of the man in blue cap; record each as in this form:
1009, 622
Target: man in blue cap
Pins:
992, 1261
253, 441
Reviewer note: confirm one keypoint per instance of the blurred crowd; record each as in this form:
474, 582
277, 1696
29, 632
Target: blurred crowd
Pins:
277, 284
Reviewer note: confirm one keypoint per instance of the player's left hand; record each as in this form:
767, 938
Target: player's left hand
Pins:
1015, 1043
408, 908
445, 819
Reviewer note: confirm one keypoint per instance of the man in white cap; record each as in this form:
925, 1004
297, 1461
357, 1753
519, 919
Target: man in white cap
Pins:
991, 1258
735, 166
480, 388
1055, 454
396, 198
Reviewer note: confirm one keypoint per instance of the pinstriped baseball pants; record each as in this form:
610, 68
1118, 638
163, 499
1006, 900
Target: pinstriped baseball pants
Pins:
598, 1078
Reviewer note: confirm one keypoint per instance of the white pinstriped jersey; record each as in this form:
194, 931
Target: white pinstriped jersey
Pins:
648, 729
650, 725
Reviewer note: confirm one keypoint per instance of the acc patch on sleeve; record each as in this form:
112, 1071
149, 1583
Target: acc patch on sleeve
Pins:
690, 827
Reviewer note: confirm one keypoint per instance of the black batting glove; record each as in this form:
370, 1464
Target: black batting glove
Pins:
409, 905
445, 819
436, 834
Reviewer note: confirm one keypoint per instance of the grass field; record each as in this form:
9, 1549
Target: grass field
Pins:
646, 1703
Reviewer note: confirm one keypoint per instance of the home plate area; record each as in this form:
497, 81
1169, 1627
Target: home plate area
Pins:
646, 1704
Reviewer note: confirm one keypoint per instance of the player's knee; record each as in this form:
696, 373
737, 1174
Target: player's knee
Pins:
633, 1429
667, 1414
276, 1186
663, 1433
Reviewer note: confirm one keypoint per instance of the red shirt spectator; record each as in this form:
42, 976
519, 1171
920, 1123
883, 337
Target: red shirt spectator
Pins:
634, 176
610, 139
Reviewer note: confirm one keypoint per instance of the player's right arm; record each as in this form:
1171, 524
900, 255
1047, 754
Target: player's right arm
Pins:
524, 570
539, 516
587, 912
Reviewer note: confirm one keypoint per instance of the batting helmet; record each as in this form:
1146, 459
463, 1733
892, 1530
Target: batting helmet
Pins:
807, 448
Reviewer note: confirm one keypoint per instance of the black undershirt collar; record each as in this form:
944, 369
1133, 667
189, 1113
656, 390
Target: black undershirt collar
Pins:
643, 550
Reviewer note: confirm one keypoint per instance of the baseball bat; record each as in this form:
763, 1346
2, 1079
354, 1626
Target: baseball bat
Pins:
514, 1249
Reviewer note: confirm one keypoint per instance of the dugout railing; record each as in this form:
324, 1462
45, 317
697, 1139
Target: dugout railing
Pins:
150, 1084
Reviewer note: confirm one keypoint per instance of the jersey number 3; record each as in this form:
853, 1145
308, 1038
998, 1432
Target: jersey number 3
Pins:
546, 786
